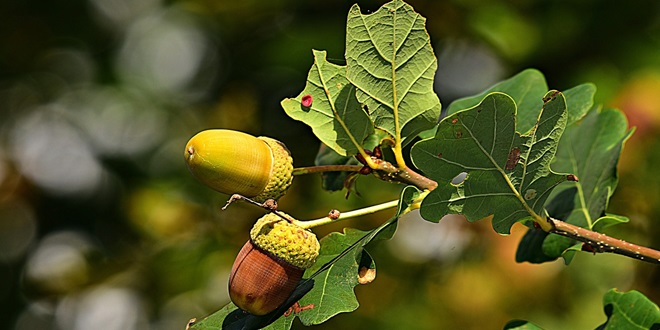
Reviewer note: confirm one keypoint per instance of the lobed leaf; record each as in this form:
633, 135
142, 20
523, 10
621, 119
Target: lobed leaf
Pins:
508, 174
328, 285
390, 60
334, 114
629, 310
525, 88
590, 149
624, 311
579, 99
333, 290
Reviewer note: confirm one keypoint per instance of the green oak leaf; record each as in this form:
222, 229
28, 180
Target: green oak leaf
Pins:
508, 174
590, 149
624, 311
328, 285
527, 89
390, 60
629, 310
335, 115
333, 291
579, 99
340, 259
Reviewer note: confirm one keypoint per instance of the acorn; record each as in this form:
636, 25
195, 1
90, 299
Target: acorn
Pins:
271, 264
233, 162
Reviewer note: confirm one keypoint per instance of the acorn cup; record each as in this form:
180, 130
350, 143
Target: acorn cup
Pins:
233, 162
271, 264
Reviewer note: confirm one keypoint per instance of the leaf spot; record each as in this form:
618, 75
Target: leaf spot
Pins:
530, 194
550, 97
512, 160
459, 133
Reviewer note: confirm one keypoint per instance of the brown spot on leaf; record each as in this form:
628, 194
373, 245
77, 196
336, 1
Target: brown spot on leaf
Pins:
512, 160
549, 97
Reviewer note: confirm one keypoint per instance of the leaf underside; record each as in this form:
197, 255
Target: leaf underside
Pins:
390, 61
387, 82
334, 115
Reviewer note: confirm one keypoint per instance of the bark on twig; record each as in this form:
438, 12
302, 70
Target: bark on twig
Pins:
603, 243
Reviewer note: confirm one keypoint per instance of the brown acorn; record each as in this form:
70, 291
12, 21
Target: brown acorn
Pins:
233, 162
271, 264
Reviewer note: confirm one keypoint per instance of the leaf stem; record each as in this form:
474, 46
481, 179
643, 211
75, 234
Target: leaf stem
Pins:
603, 243
325, 168
307, 224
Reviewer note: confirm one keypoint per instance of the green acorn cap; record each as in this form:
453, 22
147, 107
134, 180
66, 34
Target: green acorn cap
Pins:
284, 240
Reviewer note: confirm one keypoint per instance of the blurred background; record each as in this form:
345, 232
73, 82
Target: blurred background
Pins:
102, 226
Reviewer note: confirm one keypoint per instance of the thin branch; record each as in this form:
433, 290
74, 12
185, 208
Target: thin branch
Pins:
326, 168
388, 172
603, 243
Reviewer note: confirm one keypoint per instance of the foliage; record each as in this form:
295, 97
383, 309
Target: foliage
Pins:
508, 175
100, 220
520, 146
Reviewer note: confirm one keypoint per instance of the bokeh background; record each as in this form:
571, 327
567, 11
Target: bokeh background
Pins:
102, 227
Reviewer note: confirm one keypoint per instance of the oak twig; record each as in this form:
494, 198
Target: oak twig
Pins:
603, 243
388, 172
326, 168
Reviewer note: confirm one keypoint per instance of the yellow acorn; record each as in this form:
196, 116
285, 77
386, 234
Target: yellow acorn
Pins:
233, 162
271, 264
